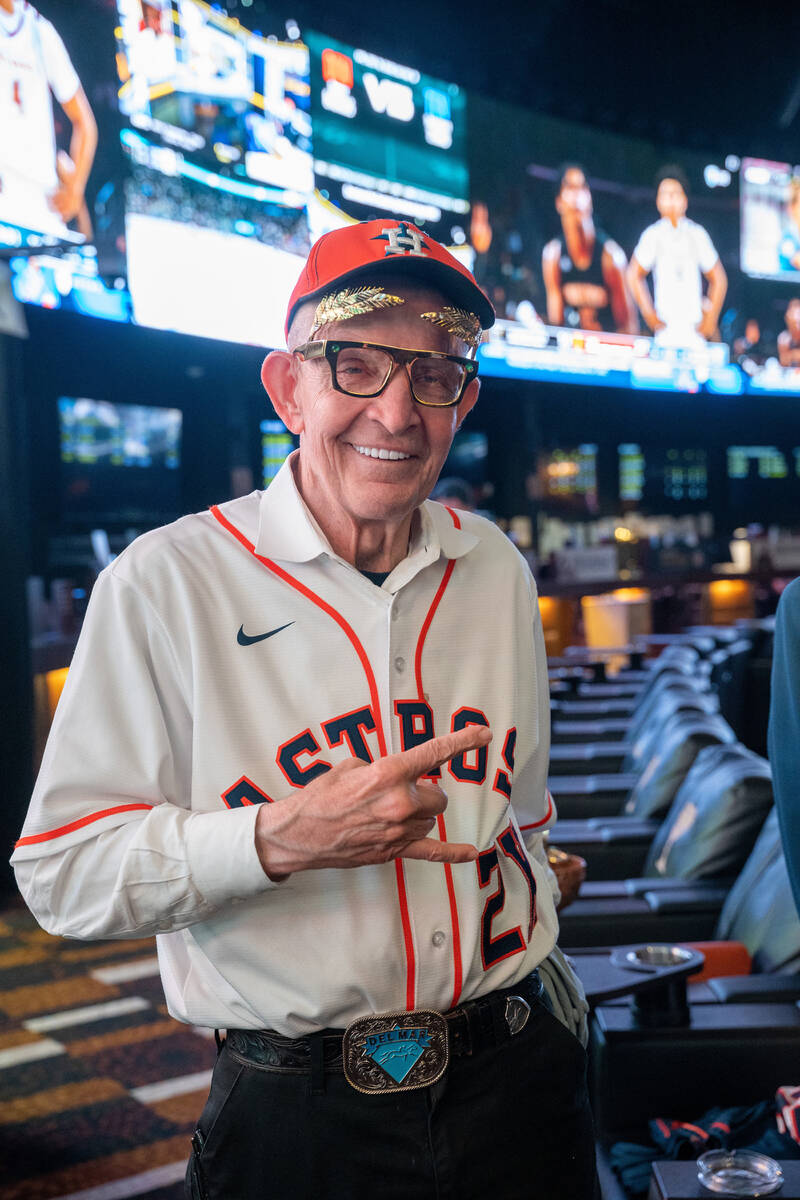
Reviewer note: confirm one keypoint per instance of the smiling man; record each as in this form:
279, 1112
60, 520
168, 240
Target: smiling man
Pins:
289, 746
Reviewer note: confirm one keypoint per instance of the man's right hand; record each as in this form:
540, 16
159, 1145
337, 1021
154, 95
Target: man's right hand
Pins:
360, 813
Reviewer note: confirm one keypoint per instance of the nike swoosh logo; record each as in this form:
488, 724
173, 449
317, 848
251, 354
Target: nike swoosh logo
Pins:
243, 639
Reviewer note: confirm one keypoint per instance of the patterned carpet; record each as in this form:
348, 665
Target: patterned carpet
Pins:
99, 1088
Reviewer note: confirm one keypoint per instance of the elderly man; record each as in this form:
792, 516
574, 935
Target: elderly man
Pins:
274, 751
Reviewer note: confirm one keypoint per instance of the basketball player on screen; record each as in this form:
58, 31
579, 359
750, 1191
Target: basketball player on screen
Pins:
583, 270
789, 245
680, 254
41, 188
789, 338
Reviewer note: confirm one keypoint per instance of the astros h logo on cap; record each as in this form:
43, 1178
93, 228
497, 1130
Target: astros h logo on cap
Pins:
379, 250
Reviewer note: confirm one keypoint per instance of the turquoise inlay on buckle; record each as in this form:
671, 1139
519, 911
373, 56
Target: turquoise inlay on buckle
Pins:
395, 1052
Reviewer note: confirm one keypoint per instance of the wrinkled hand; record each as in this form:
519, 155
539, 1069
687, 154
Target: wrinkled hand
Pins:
359, 813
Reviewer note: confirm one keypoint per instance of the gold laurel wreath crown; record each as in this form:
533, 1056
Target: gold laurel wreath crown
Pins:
352, 302
357, 301
462, 323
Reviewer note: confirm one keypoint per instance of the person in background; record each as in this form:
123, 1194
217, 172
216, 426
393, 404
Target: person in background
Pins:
680, 254
789, 338
583, 269
789, 245
41, 188
453, 492
751, 350
783, 738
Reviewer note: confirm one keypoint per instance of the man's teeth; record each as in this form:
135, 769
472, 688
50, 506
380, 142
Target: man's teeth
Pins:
372, 452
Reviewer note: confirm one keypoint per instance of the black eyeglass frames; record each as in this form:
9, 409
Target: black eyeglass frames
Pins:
437, 380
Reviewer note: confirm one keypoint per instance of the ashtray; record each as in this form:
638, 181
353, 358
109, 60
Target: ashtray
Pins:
739, 1173
658, 956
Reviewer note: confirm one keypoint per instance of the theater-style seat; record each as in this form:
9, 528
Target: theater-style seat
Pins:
757, 910
583, 754
708, 832
649, 794
743, 1032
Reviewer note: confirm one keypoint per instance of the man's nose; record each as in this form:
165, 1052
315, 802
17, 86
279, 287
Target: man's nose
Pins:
395, 408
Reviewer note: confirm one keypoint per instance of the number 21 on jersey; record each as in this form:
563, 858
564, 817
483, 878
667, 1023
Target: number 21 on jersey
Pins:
498, 943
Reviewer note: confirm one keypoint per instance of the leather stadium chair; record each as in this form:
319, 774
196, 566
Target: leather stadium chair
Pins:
580, 746
708, 831
729, 671
569, 716
648, 794
742, 1036
756, 910
583, 707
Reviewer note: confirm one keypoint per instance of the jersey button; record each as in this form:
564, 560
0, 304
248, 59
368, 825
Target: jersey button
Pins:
399, 664
395, 613
439, 938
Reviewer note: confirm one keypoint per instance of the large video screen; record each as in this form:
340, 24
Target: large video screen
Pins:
118, 460
388, 140
663, 477
61, 205
565, 480
174, 168
218, 141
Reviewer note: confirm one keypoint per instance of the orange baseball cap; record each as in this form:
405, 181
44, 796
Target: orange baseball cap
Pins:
376, 249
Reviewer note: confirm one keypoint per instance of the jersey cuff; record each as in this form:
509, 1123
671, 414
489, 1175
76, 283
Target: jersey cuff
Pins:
222, 857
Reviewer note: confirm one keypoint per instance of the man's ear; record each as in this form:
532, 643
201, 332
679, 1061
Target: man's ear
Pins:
279, 377
468, 400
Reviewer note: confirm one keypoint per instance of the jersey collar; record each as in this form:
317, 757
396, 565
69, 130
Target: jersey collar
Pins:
288, 532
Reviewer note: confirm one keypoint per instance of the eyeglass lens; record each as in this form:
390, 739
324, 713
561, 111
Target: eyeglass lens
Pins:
362, 371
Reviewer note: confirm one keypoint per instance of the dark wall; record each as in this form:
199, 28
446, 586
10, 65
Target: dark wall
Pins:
217, 387
16, 702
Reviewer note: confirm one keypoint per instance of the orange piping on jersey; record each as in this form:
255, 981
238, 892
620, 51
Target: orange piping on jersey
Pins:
411, 985
545, 818
440, 825
326, 608
34, 838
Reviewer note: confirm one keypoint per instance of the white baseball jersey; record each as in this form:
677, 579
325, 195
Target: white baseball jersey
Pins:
677, 255
33, 61
232, 657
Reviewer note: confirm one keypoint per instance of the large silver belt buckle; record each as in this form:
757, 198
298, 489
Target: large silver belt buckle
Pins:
395, 1052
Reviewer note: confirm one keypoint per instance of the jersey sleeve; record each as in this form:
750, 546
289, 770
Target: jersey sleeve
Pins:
645, 252
704, 247
533, 803
110, 846
784, 728
61, 75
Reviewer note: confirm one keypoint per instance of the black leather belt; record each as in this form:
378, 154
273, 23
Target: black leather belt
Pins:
473, 1026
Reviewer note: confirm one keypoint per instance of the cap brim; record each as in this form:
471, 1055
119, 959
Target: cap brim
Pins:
448, 281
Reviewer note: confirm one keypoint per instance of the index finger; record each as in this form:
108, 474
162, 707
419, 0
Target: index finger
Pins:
420, 760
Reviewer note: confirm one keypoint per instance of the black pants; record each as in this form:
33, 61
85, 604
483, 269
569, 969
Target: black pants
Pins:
509, 1122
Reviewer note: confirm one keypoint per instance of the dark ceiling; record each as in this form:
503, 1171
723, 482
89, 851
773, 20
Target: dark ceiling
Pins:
723, 77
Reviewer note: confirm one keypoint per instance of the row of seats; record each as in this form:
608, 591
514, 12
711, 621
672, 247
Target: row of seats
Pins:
675, 819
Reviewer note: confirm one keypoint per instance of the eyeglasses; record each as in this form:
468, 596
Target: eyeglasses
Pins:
364, 369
